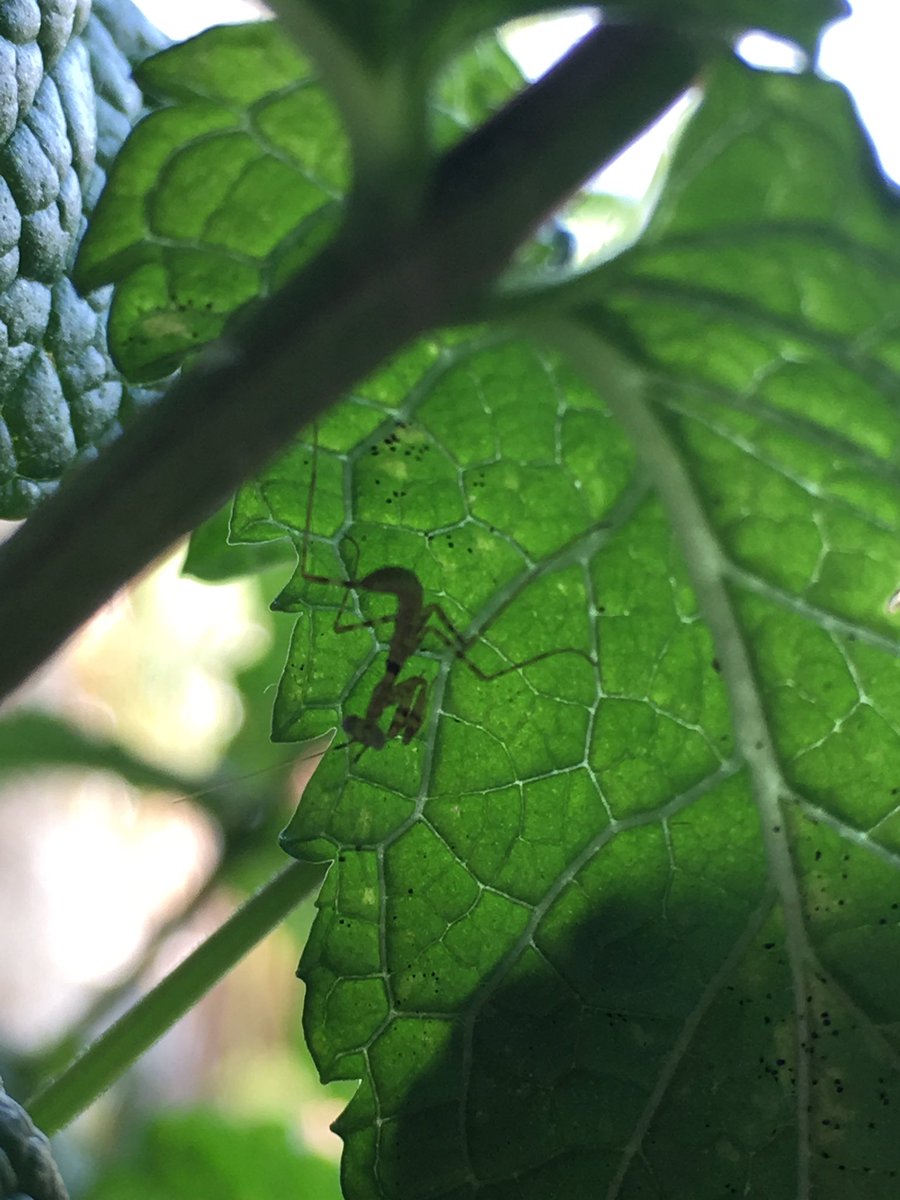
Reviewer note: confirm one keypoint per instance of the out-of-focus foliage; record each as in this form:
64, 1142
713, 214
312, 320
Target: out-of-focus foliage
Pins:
200, 1153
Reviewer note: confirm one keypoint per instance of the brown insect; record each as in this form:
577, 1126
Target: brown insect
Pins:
412, 621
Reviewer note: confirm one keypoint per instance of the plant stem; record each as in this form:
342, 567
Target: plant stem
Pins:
134, 1033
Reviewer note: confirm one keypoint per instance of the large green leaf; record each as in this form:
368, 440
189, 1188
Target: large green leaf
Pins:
630, 929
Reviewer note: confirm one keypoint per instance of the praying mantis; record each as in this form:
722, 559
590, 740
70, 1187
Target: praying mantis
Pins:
413, 620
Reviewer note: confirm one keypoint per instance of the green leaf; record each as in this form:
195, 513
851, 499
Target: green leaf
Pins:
471, 87
69, 104
212, 559
628, 929
217, 196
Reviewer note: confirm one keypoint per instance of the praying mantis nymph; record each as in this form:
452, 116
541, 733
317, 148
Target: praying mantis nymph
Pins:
412, 621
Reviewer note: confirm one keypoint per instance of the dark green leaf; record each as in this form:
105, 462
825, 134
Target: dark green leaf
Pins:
70, 103
27, 1168
473, 85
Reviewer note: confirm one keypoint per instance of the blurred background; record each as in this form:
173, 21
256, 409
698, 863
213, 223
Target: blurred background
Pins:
140, 797
113, 868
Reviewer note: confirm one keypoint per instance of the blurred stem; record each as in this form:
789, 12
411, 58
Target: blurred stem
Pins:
134, 1033
52, 1057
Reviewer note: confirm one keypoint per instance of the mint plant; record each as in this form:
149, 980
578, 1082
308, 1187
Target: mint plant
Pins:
623, 922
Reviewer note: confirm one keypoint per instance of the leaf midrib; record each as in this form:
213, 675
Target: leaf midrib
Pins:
624, 387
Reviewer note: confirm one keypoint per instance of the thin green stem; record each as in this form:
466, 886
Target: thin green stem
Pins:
134, 1033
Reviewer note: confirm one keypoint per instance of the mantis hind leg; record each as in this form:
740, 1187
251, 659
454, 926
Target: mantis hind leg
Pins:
451, 637
349, 584
408, 702
409, 697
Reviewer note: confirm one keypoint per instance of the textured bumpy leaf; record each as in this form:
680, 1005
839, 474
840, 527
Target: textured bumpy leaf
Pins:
628, 928
27, 1169
66, 103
